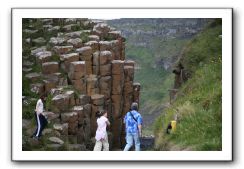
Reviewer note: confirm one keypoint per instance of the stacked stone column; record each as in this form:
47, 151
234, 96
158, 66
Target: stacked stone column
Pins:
88, 77
117, 100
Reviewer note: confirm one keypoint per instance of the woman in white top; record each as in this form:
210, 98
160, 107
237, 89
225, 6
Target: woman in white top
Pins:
101, 133
40, 118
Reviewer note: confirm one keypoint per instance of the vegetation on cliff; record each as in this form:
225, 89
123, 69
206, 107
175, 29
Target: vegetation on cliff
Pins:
199, 99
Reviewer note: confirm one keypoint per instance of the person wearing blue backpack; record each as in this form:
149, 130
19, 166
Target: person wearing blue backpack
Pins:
133, 124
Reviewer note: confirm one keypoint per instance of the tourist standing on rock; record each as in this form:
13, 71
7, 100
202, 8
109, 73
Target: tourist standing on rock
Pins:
133, 124
40, 118
101, 133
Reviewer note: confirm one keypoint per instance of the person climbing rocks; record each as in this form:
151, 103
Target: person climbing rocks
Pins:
101, 133
133, 124
41, 120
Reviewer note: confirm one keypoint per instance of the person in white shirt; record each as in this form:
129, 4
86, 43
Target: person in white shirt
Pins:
40, 118
101, 133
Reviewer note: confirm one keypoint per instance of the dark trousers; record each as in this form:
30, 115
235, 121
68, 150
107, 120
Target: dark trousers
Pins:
41, 122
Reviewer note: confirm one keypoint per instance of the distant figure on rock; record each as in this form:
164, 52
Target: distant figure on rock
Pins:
101, 133
41, 120
133, 124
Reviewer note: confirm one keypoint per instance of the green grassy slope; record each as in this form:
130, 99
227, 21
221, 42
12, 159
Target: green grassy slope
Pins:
198, 105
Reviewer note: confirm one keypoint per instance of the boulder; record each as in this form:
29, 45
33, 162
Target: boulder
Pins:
37, 50
55, 28
39, 41
44, 56
30, 32
117, 67
50, 67
50, 132
62, 49
26, 70
62, 128
102, 28
51, 117
57, 40
33, 76
69, 27
27, 63
56, 140
93, 38
47, 21
75, 34
70, 21
76, 42
37, 88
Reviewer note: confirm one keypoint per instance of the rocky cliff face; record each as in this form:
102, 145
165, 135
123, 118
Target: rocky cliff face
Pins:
80, 65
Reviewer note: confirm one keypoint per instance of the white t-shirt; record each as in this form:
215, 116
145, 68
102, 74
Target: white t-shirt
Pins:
101, 128
39, 106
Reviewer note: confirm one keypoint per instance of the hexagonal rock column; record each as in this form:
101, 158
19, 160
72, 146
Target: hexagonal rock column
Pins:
105, 83
96, 63
92, 85
72, 119
77, 70
115, 48
66, 59
85, 54
105, 58
50, 67
105, 45
76, 42
128, 88
97, 101
62, 49
43, 56
93, 44
50, 83
60, 103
